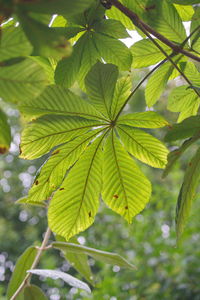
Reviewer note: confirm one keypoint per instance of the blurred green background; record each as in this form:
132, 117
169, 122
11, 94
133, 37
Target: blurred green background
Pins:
164, 271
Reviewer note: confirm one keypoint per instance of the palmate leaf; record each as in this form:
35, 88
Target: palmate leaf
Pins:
143, 146
73, 208
147, 119
183, 130
13, 43
105, 257
112, 28
125, 188
54, 170
93, 45
48, 131
54, 274
195, 39
22, 81
58, 100
5, 133
100, 83
145, 53
185, 12
187, 193
24, 263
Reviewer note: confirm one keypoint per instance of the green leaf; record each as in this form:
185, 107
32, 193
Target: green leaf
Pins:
175, 154
183, 99
185, 12
26, 200
58, 100
40, 136
105, 257
112, 28
23, 264
13, 43
147, 119
115, 13
54, 170
113, 51
33, 292
78, 261
163, 17
185, 2
145, 53
58, 7
46, 41
187, 193
191, 72
72, 281
195, 40
100, 84
84, 56
157, 82
125, 188
143, 146
73, 208
5, 133
121, 93
22, 81
183, 130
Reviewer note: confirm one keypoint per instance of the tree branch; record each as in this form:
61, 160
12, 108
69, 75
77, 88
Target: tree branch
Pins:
142, 25
35, 263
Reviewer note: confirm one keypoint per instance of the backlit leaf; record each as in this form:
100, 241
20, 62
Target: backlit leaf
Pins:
147, 119
143, 146
125, 188
33, 292
5, 133
73, 208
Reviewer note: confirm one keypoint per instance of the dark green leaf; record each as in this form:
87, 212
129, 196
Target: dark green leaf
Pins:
5, 133
23, 264
33, 292
58, 7
187, 193
105, 257
183, 130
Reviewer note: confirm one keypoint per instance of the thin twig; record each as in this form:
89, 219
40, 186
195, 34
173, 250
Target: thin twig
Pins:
35, 263
143, 26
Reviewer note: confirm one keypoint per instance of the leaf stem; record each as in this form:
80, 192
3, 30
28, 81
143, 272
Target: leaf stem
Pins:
35, 263
146, 28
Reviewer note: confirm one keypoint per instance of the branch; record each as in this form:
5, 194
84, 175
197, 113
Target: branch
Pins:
35, 263
143, 26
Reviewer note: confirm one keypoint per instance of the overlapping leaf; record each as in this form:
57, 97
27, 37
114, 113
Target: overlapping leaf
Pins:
98, 41
147, 119
145, 53
13, 43
22, 81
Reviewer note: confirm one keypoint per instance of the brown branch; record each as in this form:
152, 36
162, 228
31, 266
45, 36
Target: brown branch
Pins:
142, 25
